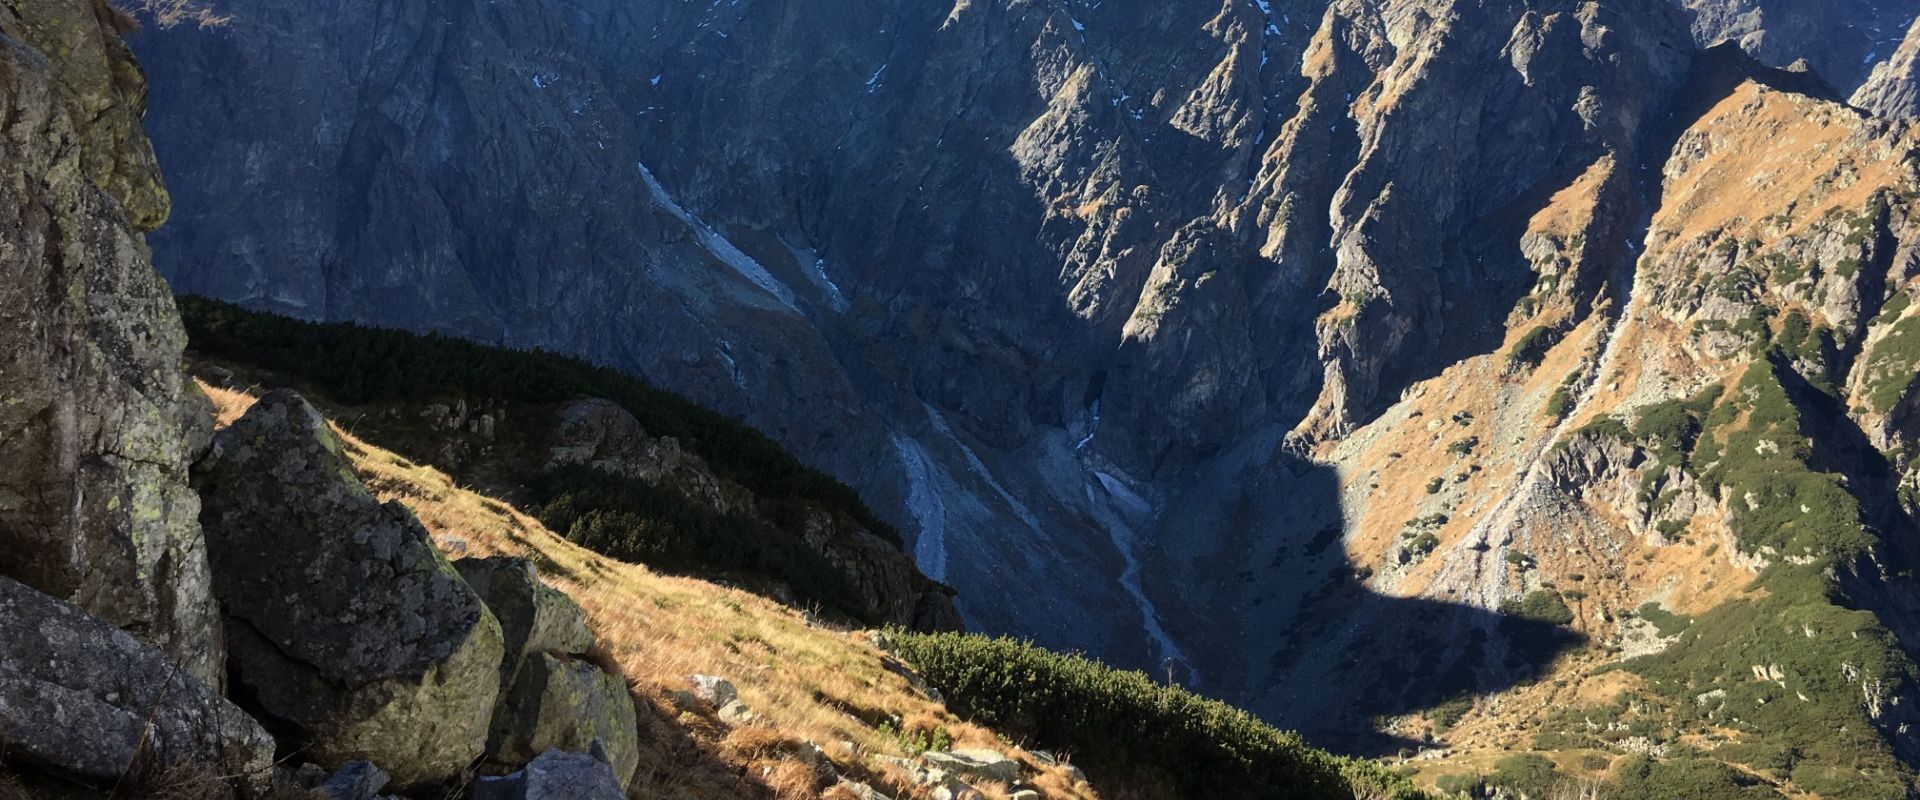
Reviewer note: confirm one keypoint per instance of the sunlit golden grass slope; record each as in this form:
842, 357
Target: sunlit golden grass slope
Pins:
806, 683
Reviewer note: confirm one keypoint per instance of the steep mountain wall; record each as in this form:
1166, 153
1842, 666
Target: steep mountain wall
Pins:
1841, 40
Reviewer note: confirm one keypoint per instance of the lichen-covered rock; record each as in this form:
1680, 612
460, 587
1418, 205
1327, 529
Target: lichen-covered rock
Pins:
97, 424
342, 618
565, 704
552, 696
83, 697
555, 775
534, 617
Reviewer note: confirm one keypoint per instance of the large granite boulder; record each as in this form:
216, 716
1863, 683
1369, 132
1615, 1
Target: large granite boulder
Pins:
553, 696
83, 697
97, 423
344, 622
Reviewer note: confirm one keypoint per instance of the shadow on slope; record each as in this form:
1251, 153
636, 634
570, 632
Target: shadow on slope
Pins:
1281, 622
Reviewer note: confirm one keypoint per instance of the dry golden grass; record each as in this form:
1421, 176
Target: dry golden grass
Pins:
804, 682
1570, 212
1761, 153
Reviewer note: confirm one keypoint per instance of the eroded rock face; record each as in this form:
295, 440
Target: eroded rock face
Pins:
1840, 40
97, 425
1893, 90
77, 694
345, 623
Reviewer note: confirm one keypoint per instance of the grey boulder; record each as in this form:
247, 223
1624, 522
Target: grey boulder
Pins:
342, 619
83, 697
981, 764
555, 775
567, 704
359, 780
534, 617
552, 694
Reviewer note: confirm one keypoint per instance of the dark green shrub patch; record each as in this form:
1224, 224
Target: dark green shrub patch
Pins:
1128, 730
631, 520
357, 365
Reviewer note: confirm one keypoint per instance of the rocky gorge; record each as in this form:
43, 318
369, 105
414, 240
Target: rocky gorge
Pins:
1110, 299
1437, 378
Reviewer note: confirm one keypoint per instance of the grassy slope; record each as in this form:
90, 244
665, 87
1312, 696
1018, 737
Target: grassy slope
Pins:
806, 682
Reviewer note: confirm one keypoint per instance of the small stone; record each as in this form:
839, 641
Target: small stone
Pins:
982, 764
555, 775
862, 791
713, 690
357, 780
736, 713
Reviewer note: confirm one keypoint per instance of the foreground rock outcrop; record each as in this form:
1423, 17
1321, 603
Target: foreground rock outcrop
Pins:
346, 626
97, 424
87, 699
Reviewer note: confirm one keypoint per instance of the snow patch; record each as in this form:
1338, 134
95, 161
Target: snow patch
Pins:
1093, 427
718, 245
1132, 502
1125, 541
924, 503
834, 296
979, 470
733, 367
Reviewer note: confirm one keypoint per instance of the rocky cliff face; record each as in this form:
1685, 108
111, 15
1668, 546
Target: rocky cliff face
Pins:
97, 426
1249, 342
1893, 91
1840, 40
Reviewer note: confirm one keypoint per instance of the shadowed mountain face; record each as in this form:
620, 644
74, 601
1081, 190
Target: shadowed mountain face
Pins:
1840, 40
1138, 316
